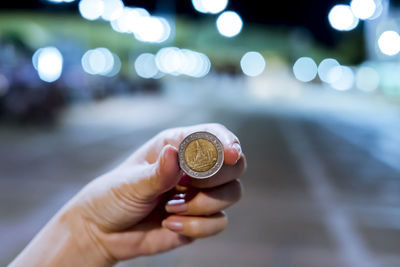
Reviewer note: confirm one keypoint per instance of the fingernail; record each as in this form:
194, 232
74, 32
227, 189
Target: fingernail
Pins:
173, 225
179, 196
238, 148
176, 206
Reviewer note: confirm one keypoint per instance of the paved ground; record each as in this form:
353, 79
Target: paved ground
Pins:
319, 191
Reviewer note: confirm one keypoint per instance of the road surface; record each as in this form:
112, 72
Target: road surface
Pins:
321, 190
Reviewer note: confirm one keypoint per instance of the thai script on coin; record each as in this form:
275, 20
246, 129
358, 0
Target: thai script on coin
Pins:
201, 155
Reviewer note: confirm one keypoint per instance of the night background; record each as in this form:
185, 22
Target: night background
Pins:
311, 88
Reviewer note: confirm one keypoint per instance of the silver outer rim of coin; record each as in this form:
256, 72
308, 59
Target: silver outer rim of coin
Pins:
201, 135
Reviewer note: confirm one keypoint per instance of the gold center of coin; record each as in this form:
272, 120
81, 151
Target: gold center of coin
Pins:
201, 155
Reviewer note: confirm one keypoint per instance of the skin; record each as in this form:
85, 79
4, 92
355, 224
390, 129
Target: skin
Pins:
143, 207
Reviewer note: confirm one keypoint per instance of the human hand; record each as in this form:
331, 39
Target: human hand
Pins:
139, 209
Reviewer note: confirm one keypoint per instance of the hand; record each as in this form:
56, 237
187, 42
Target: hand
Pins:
139, 208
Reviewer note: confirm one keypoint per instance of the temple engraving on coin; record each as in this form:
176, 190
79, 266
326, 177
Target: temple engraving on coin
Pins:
201, 155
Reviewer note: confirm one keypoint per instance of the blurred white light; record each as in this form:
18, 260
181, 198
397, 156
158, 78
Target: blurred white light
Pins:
342, 18
35, 58
389, 43
130, 20
115, 25
112, 9
210, 6
193, 63
169, 60
215, 6
198, 5
345, 79
367, 79
99, 61
153, 30
252, 64
305, 69
85, 62
200, 64
189, 62
145, 66
204, 66
175, 61
378, 10
229, 24
48, 62
116, 66
91, 9
324, 69
363, 9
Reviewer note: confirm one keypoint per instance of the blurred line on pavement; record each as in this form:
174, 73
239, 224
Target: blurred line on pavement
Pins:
349, 242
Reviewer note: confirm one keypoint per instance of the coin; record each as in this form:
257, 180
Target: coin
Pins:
201, 155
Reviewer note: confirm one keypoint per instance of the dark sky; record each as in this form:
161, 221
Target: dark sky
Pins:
311, 14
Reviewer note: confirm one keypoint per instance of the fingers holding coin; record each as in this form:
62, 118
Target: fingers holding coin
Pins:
206, 202
226, 174
174, 136
196, 227
229, 141
211, 168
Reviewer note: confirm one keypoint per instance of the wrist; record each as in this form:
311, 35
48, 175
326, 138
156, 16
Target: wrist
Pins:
67, 240
83, 242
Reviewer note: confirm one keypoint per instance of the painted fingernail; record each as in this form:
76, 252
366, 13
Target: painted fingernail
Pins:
173, 225
238, 148
179, 196
176, 206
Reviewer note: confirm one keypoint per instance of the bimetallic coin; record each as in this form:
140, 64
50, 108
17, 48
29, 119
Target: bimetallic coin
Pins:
201, 155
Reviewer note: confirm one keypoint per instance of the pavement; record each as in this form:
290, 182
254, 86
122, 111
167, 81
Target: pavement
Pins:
322, 186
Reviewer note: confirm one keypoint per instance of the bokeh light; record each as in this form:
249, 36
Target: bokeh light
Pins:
169, 60
252, 63
116, 66
48, 62
130, 20
152, 30
305, 69
367, 79
389, 43
175, 61
91, 9
363, 9
342, 18
146, 28
378, 10
344, 78
145, 66
210, 6
112, 9
99, 61
194, 64
324, 69
229, 24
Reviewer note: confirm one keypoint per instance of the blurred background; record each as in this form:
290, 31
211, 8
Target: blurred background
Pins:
312, 89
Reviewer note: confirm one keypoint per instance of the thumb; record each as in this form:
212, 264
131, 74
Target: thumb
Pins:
163, 175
